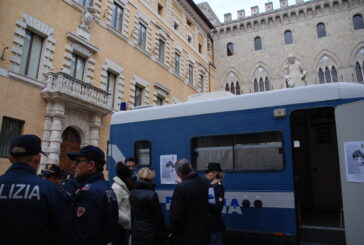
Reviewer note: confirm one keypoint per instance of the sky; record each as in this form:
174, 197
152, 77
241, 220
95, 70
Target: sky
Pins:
221, 7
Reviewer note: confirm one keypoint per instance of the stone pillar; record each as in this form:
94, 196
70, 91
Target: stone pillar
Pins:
56, 134
95, 126
47, 133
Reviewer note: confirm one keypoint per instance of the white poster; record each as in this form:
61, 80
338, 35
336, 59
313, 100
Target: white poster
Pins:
168, 173
354, 161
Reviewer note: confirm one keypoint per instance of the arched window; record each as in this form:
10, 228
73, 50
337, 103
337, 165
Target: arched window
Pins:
288, 38
359, 73
334, 75
227, 87
232, 88
258, 43
327, 75
358, 22
237, 88
321, 76
261, 85
267, 86
230, 49
321, 30
256, 89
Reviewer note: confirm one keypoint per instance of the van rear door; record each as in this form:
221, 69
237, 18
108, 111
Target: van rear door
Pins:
350, 135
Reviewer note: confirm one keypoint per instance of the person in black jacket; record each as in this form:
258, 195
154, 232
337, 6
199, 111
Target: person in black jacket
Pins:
32, 210
95, 207
189, 207
214, 174
147, 223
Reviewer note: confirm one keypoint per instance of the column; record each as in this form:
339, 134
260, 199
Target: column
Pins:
95, 125
46, 134
56, 134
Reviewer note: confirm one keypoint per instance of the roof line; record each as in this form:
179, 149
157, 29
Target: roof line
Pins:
200, 13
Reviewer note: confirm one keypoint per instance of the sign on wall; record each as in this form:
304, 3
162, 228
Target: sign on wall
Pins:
354, 161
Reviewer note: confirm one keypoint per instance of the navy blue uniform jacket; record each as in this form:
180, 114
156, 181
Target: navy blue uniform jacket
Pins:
32, 210
95, 212
216, 222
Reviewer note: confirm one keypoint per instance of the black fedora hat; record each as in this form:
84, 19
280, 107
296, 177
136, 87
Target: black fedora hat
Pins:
213, 166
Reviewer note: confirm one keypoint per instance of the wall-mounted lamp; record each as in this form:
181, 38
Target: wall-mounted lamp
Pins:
3, 53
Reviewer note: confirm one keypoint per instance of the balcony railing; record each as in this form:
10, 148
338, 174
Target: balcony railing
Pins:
63, 85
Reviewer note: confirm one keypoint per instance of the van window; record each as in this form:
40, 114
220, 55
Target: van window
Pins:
256, 151
212, 149
260, 151
142, 151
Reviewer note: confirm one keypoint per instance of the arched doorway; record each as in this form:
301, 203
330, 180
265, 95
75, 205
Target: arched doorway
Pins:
71, 143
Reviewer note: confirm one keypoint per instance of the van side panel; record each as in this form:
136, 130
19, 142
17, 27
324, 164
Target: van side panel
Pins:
275, 189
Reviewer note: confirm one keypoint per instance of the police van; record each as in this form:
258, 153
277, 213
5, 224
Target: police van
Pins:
291, 175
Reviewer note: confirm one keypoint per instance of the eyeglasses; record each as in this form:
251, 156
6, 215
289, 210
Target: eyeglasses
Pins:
81, 160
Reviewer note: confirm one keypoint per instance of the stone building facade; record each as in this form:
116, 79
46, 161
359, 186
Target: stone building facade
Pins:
67, 65
311, 42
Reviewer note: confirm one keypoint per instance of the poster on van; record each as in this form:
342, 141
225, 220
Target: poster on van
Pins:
354, 161
168, 173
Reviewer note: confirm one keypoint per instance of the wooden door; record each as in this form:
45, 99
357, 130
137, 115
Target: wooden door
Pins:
71, 143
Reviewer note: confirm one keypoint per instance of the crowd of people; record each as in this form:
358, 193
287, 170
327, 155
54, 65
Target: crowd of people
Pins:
54, 208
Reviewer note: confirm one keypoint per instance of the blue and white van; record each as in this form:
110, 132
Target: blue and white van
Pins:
284, 154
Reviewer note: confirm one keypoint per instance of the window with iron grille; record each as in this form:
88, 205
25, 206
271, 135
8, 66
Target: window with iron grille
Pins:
10, 129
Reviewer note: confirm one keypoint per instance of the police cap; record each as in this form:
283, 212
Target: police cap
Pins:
26, 145
91, 152
51, 170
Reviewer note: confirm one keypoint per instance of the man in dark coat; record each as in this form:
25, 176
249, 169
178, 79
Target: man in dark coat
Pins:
189, 207
214, 174
95, 209
32, 210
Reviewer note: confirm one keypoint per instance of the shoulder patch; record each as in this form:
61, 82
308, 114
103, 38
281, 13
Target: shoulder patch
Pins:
86, 187
80, 211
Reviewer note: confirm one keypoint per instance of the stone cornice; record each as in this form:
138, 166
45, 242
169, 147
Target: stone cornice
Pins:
76, 38
161, 87
192, 13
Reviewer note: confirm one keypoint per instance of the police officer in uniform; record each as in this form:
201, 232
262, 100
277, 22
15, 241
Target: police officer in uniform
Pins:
53, 173
31, 208
95, 209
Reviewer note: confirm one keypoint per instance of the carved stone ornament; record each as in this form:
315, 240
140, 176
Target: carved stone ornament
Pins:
87, 18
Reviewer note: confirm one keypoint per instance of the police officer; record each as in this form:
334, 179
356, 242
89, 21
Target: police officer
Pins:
214, 174
53, 173
95, 209
31, 208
